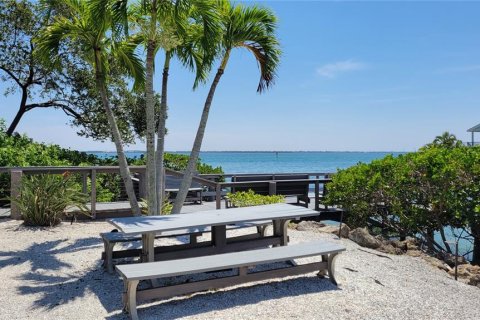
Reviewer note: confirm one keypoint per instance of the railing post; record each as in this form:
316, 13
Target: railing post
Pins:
218, 196
93, 196
84, 182
317, 195
272, 188
15, 184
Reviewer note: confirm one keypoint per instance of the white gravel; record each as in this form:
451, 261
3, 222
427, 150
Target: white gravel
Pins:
57, 274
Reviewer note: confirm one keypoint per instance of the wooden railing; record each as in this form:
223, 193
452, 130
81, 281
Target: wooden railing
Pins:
209, 180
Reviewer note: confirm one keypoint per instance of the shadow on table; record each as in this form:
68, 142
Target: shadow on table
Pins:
221, 300
69, 284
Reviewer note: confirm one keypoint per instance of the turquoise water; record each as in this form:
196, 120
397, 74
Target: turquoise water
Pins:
278, 162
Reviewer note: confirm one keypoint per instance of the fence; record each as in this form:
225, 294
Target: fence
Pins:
216, 183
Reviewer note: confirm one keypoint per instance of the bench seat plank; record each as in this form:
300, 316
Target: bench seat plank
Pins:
170, 268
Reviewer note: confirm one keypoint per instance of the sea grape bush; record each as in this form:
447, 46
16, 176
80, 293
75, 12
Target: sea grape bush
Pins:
250, 198
414, 194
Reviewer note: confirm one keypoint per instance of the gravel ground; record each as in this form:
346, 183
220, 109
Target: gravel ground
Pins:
57, 274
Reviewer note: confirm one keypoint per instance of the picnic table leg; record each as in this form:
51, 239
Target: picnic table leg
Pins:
219, 236
280, 229
148, 252
323, 273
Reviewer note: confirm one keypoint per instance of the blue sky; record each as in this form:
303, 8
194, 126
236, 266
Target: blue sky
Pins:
366, 76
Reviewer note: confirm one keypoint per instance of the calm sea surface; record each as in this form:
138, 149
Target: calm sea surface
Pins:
277, 162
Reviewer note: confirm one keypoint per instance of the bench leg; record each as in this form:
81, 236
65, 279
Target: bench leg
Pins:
280, 229
130, 298
323, 273
331, 267
108, 261
261, 230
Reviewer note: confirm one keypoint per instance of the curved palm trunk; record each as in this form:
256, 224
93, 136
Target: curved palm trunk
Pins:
150, 136
117, 139
160, 176
197, 145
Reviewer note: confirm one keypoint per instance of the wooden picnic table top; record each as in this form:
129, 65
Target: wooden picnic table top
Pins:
201, 219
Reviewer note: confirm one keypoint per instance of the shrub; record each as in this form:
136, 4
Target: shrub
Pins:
250, 198
44, 199
166, 208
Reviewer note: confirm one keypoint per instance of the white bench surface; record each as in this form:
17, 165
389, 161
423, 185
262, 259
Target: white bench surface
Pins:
160, 269
200, 219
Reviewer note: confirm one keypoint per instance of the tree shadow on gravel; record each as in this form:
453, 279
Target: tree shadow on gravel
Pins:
220, 300
58, 282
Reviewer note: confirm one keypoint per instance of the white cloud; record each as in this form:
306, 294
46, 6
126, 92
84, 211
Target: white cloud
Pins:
331, 70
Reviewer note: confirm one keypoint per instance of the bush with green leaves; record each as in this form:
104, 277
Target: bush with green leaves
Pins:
44, 199
250, 198
166, 208
419, 193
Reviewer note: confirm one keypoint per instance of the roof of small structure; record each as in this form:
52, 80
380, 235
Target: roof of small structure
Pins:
474, 129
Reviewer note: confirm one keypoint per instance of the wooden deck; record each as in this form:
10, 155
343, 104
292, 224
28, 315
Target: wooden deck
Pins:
122, 209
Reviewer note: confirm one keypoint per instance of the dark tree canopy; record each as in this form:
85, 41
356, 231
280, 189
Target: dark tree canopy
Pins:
70, 88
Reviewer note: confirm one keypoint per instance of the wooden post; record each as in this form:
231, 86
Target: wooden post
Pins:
93, 197
15, 184
272, 188
218, 196
84, 182
317, 195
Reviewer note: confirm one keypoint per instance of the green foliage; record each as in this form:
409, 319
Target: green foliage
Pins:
21, 151
44, 199
166, 207
250, 198
415, 193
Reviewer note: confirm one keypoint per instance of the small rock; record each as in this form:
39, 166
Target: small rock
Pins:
344, 232
388, 248
450, 259
414, 253
474, 280
309, 225
363, 238
437, 263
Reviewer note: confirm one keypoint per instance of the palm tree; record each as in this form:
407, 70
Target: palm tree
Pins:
252, 28
84, 28
186, 29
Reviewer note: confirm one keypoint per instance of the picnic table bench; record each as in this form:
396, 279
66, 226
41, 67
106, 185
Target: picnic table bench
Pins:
242, 260
110, 239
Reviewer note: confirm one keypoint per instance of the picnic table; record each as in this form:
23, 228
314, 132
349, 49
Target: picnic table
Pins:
216, 221
220, 253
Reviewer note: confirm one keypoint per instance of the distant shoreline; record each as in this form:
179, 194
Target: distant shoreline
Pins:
238, 151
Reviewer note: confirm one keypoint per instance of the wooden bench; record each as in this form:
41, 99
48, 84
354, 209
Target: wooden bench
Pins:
110, 239
287, 188
133, 273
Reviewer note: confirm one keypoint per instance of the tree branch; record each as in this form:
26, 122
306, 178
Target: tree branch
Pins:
10, 73
55, 104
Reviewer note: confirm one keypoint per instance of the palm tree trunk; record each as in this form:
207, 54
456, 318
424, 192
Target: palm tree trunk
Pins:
117, 139
150, 136
161, 136
197, 145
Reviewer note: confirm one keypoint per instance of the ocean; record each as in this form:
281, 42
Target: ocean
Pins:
276, 162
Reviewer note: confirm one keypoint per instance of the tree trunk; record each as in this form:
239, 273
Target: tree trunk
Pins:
161, 136
476, 243
20, 113
117, 139
197, 145
150, 136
